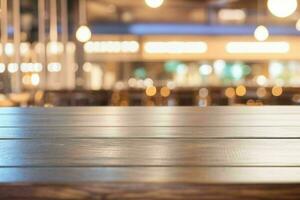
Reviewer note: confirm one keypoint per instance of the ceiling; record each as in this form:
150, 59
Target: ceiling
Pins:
200, 12
180, 11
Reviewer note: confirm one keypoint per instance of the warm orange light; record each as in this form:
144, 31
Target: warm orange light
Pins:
241, 91
165, 92
151, 91
230, 92
277, 91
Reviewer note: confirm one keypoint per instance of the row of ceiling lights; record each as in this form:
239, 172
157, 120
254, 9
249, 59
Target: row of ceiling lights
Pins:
84, 34
278, 8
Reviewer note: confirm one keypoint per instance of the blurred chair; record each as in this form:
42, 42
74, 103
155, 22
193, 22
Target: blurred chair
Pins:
20, 99
38, 98
5, 102
135, 97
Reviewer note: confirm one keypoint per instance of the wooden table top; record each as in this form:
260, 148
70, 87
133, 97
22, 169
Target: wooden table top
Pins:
150, 153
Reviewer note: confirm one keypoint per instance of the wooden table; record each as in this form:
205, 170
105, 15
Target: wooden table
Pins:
183, 153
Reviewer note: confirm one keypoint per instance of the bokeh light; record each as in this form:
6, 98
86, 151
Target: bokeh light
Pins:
83, 34
154, 3
261, 92
165, 91
277, 91
205, 69
151, 91
241, 90
230, 92
282, 8
261, 33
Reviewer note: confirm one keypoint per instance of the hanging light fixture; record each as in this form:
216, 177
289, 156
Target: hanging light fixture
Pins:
4, 35
83, 33
40, 47
16, 81
282, 8
261, 33
54, 47
154, 3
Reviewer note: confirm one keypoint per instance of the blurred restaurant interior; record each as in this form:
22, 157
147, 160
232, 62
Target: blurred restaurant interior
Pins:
149, 52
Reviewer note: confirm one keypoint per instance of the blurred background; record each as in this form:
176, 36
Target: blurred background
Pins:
149, 52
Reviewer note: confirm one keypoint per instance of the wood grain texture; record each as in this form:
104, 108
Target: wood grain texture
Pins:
148, 132
150, 120
129, 191
150, 152
196, 175
214, 110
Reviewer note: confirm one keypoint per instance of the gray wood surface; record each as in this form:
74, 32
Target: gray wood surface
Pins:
150, 153
214, 110
150, 132
220, 120
191, 175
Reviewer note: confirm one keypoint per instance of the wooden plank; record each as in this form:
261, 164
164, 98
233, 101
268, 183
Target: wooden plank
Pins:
149, 120
150, 152
195, 175
153, 191
153, 110
148, 132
